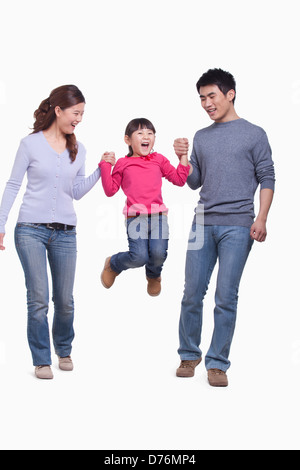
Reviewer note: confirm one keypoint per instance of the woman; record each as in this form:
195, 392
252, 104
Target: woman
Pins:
55, 166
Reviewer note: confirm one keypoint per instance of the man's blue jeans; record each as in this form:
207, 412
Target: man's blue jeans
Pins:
33, 243
148, 238
230, 245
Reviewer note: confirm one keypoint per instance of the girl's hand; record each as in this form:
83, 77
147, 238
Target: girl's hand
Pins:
2, 247
109, 157
184, 160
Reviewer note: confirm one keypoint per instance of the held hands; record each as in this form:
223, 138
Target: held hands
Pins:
181, 147
109, 157
2, 247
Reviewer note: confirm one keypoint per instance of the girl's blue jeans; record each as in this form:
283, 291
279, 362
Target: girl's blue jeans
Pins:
230, 245
148, 238
34, 243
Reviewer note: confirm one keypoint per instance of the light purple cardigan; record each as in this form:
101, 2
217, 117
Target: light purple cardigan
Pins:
53, 182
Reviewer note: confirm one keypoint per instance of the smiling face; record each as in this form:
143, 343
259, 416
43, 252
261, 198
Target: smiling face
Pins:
218, 106
141, 142
68, 118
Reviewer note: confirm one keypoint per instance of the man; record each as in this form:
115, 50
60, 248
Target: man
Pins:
229, 160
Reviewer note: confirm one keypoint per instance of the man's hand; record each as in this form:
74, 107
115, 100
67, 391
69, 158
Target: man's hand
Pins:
2, 247
109, 157
258, 230
181, 147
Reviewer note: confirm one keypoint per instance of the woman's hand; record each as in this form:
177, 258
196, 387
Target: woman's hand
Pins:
109, 157
2, 247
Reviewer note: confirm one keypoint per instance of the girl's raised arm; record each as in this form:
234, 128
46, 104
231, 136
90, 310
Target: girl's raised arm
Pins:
177, 176
111, 182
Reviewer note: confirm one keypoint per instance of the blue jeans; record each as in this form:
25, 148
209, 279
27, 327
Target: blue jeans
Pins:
230, 245
33, 243
148, 238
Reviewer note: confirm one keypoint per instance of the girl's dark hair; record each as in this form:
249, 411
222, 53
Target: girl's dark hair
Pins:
224, 80
135, 125
64, 96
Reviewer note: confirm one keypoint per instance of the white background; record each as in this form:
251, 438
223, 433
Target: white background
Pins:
133, 59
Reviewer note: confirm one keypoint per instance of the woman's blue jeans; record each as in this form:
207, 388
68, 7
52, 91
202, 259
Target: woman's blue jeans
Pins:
34, 243
148, 238
230, 245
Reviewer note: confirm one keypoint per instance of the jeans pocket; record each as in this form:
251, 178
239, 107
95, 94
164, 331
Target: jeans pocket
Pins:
25, 234
69, 233
26, 224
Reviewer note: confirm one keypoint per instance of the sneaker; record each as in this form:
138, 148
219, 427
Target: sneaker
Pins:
154, 286
44, 372
108, 276
217, 378
187, 368
65, 363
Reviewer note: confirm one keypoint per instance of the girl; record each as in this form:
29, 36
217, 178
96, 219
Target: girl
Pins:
55, 165
140, 176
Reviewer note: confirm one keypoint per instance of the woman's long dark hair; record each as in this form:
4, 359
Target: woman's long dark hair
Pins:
135, 125
64, 96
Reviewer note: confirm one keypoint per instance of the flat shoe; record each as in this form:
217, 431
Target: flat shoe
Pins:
44, 372
65, 363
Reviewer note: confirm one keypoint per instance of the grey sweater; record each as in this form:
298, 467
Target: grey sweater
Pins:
230, 160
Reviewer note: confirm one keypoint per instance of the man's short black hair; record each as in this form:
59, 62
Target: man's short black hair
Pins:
224, 80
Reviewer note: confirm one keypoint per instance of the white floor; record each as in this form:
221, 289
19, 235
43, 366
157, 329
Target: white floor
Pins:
124, 394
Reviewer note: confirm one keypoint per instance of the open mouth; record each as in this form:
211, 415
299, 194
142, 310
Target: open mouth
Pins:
145, 145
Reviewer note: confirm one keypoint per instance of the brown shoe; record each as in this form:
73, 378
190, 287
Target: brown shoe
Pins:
187, 368
217, 378
154, 286
108, 276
